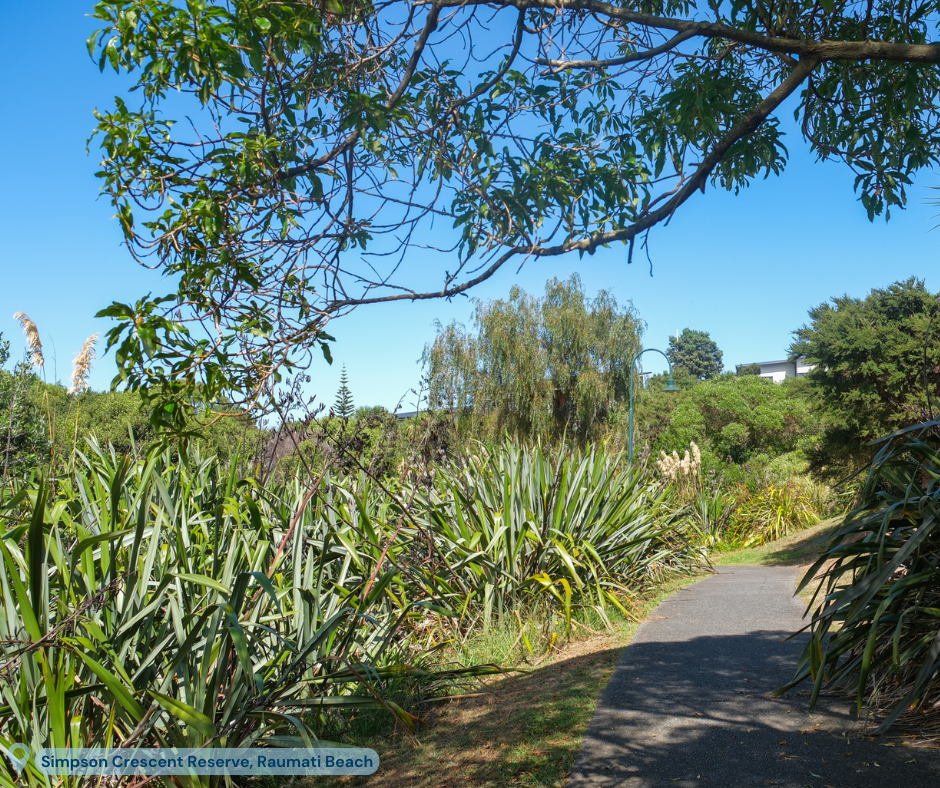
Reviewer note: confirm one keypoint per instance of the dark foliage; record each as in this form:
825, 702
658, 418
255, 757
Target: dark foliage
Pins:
696, 353
869, 379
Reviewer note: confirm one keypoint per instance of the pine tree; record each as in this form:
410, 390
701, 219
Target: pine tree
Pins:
343, 407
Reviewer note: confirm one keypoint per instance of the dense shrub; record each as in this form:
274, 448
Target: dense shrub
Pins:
653, 409
42, 425
734, 419
25, 439
873, 360
770, 499
741, 425
374, 441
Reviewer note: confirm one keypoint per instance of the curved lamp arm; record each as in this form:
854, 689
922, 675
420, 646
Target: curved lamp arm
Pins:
670, 386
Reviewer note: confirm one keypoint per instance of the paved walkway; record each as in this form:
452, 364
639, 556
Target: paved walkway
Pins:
688, 705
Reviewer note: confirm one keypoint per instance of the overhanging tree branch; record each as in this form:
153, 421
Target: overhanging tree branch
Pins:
822, 50
695, 182
330, 154
649, 54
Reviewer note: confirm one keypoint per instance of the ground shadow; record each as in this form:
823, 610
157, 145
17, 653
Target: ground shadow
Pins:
527, 732
698, 713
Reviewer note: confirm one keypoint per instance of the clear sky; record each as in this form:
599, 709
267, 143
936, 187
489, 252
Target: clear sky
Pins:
746, 269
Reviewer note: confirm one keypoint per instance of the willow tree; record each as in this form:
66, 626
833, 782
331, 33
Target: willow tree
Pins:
320, 144
537, 367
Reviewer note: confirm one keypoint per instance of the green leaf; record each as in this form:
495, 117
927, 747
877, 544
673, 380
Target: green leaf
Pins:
120, 692
186, 714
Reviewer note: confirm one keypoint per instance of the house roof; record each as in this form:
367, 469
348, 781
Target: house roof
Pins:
781, 361
763, 363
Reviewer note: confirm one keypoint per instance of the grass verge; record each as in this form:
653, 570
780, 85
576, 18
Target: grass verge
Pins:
797, 549
524, 730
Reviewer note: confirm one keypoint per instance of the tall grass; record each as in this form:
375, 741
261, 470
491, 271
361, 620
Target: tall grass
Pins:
772, 513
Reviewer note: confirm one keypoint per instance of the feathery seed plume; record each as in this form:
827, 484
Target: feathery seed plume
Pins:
673, 468
32, 338
82, 365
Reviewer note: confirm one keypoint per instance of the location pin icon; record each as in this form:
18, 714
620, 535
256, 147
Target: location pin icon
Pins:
18, 755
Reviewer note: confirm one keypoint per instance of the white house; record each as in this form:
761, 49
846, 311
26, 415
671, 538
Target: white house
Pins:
778, 370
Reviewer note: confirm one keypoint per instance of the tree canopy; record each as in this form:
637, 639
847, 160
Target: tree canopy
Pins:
282, 161
696, 353
876, 366
537, 367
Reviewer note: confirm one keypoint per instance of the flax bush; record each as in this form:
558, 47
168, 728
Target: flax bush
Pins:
875, 630
168, 603
579, 527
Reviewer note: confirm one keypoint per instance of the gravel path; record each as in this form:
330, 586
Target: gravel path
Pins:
688, 704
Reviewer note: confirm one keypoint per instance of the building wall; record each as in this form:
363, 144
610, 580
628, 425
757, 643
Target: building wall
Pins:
778, 371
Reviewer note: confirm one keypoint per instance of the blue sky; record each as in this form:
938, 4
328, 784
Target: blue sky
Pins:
746, 269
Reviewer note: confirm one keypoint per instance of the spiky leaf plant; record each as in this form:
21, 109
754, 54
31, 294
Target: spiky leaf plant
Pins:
515, 524
165, 603
875, 629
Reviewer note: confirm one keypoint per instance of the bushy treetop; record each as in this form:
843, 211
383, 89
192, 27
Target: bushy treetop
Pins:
537, 366
696, 353
870, 355
734, 419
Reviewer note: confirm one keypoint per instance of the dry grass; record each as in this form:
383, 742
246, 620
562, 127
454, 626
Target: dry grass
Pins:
81, 366
525, 730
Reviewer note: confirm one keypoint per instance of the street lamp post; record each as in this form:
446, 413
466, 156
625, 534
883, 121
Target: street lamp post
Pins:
670, 386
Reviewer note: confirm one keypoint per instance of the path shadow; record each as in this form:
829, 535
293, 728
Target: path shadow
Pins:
698, 713
527, 732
